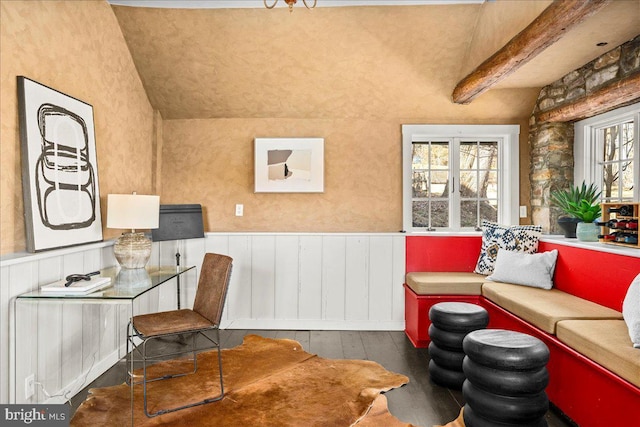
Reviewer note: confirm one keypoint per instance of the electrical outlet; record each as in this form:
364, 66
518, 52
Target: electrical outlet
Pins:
239, 210
29, 386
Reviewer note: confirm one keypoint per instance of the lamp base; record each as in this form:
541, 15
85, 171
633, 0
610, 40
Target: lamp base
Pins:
132, 250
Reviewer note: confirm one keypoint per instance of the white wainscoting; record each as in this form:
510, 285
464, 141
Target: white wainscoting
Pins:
314, 281
279, 281
60, 344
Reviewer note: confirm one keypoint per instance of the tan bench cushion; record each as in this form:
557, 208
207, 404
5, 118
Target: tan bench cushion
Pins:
606, 342
437, 283
544, 308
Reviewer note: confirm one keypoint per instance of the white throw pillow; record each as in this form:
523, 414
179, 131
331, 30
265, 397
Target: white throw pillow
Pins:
631, 311
520, 268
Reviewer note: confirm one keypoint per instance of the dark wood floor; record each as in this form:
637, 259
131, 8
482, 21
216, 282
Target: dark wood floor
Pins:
420, 402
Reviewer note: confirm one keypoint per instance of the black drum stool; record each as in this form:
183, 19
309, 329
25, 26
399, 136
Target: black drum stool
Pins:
506, 378
450, 322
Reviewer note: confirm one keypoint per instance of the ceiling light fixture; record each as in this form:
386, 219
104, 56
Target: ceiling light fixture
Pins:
290, 3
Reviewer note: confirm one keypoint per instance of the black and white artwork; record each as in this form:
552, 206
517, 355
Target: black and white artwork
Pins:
289, 165
59, 168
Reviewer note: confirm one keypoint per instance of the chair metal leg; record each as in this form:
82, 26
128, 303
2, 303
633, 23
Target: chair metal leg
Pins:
220, 363
193, 352
144, 381
129, 355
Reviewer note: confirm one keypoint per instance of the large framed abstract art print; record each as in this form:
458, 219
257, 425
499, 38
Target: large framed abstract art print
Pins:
289, 165
59, 168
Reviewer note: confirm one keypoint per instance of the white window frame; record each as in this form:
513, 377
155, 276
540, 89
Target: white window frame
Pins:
587, 154
508, 137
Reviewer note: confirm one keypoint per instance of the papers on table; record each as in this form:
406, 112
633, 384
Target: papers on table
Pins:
81, 287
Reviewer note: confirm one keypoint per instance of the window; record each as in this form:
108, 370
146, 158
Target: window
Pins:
606, 153
457, 175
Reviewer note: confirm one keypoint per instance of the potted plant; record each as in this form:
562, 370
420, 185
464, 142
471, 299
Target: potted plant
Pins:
581, 204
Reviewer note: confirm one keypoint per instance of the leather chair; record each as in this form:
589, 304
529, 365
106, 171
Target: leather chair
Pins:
205, 317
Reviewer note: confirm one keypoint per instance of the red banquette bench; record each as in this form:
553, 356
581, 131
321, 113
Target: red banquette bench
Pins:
594, 369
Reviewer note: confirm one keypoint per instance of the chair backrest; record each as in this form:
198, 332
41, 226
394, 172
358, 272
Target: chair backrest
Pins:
212, 286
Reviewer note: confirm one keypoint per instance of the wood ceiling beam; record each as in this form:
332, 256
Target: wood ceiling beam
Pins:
553, 23
602, 100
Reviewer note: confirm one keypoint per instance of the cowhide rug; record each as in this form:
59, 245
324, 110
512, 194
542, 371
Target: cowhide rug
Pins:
268, 382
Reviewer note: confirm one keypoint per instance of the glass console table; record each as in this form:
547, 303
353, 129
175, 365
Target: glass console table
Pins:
125, 284
64, 339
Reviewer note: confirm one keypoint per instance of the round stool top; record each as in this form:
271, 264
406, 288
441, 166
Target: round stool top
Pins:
503, 349
457, 308
458, 316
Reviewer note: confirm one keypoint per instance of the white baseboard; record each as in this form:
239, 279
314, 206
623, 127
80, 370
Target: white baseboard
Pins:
316, 325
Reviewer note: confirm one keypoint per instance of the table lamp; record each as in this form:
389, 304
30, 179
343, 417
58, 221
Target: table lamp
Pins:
133, 212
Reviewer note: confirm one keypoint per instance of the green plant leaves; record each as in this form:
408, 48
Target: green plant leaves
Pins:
582, 202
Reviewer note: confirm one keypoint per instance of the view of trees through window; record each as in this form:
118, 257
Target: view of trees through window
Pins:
617, 164
455, 183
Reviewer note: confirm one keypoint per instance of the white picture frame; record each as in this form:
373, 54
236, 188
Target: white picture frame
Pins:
59, 168
289, 165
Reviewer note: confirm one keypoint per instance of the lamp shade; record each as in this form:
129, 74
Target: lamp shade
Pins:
133, 211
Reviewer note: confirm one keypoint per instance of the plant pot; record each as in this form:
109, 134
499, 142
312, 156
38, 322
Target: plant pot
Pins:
587, 232
568, 225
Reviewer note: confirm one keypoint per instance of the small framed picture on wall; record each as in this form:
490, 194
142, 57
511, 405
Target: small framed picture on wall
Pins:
289, 165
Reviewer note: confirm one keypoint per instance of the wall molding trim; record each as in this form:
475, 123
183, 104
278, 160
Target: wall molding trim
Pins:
314, 325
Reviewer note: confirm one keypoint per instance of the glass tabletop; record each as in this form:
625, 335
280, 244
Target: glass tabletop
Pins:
125, 283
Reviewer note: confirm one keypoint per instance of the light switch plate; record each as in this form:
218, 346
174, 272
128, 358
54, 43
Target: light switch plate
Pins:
523, 211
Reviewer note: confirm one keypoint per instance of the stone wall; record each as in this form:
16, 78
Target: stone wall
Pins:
551, 144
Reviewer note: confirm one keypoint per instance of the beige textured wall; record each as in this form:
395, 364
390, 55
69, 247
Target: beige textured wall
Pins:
210, 161
77, 48
352, 75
